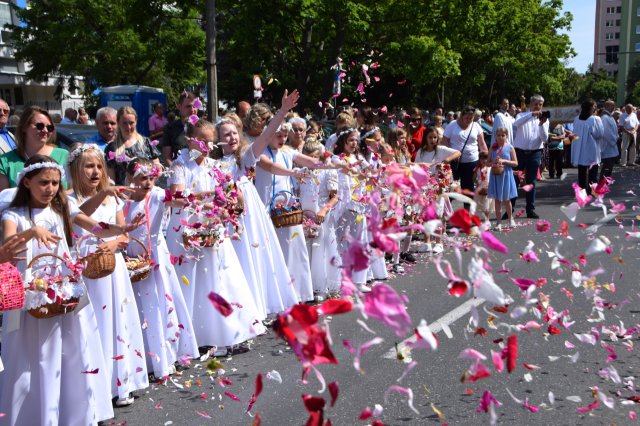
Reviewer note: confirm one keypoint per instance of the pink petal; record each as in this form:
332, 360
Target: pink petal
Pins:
493, 243
498, 363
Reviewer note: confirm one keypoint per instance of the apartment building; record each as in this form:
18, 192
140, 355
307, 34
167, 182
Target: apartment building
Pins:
607, 36
15, 88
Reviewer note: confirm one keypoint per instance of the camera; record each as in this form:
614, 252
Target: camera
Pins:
545, 115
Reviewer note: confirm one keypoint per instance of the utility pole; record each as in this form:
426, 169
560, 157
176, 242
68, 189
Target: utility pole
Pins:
212, 73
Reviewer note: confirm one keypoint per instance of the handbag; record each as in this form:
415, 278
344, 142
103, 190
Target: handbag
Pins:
497, 168
11, 288
456, 163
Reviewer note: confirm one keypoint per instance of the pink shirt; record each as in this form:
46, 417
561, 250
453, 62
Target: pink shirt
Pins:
156, 123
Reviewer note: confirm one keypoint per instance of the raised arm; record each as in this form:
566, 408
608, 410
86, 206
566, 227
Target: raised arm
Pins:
288, 102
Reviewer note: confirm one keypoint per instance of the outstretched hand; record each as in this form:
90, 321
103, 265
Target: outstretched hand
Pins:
10, 251
290, 101
135, 223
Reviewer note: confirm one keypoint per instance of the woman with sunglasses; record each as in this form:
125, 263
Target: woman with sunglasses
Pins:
35, 135
416, 130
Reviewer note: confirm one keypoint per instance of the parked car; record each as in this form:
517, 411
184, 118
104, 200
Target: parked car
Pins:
68, 134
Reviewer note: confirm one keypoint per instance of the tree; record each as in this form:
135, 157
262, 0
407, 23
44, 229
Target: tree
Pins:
155, 43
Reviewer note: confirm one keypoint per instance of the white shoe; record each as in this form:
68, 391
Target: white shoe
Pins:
425, 248
123, 402
437, 248
498, 227
364, 288
512, 223
221, 352
172, 369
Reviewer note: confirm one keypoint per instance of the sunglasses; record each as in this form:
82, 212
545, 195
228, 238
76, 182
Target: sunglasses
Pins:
41, 126
415, 119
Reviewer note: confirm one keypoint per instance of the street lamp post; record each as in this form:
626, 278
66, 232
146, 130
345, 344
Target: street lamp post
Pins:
212, 73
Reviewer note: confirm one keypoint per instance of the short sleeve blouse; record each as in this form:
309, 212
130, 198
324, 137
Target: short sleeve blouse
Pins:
457, 138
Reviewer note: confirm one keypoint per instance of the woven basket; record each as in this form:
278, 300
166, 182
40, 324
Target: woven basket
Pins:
282, 218
11, 288
143, 269
497, 169
204, 240
99, 264
54, 309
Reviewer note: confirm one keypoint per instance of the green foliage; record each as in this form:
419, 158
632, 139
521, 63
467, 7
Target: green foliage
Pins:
471, 50
155, 43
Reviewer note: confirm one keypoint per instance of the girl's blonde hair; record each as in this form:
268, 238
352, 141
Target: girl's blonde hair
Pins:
119, 141
310, 147
256, 115
80, 187
398, 152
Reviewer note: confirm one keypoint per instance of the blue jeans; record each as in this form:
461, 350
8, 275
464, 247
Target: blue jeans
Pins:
529, 161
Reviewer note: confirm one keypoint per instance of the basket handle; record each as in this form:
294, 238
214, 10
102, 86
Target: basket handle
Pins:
275, 196
146, 251
85, 238
30, 265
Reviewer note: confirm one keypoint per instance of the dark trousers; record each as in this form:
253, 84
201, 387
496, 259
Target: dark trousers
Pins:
464, 172
606, 168
586, 176
556, 159
529, 161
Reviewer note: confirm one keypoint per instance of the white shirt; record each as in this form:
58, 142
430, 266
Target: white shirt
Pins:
457, 138
436, 156
628, 121
530, 135
503, 119
609, 143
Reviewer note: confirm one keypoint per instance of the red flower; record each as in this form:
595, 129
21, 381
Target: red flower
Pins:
464, 220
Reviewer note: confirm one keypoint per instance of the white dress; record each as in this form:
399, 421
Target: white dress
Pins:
216, 269
258, 248
167, 325
116, 312
49, 362
323, 250
292, 241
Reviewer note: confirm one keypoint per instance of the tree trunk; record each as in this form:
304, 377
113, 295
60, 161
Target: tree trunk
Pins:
303, 69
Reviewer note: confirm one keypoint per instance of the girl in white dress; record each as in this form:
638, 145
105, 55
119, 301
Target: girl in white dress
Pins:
215, 269
272, 186
167, 325
257, 248
54, 367
117, 313
318, 197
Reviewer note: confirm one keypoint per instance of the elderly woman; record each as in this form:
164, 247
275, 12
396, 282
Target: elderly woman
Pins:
585, 150
35, 134
297, 133
127, 145
466, 136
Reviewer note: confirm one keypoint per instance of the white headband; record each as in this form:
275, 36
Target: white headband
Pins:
81, 150
36, 166
223, 120
349, 130
369, 133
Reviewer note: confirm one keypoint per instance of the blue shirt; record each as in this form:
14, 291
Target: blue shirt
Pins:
99, 140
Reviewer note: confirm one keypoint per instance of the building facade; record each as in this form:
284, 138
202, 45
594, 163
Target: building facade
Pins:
15, 88
607, 36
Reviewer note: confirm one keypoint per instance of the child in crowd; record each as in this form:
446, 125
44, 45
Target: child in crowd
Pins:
397, 140
167, 326
502, 187
118, 322
45, 357
481, 181
318, 197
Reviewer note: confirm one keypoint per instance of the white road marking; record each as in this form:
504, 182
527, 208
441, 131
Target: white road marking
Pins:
436, 326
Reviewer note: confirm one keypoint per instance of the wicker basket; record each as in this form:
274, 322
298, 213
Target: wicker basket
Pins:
283, 217
142, 268
310, 227
54, 309
11, 288
497, 169
99, 264
204, 240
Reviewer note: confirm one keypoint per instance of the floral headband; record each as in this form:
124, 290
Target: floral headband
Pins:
223, 120
81, 150
140, 170
37, 166
347, 131
370, 132
284, 127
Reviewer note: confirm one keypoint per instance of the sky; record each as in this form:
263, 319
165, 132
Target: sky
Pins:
582, 32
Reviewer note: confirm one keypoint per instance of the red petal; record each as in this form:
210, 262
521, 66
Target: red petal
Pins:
232, 396
512, 352
257, 392
220, 304
333, 391
458, 288
335, 306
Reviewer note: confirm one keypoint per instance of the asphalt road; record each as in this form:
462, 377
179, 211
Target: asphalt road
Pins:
564, 366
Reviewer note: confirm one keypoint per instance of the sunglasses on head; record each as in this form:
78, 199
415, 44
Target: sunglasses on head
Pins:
41, 127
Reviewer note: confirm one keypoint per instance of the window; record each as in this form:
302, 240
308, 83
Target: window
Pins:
617, 22
5, 14
609, 24
608, 36
638, 11
637, 47
611, 55
619, 9
611, 10
638, 29
617, 36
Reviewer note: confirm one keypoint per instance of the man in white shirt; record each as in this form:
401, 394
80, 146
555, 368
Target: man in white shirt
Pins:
609, 148
504, 120
7, 141
629, 123
532, 131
